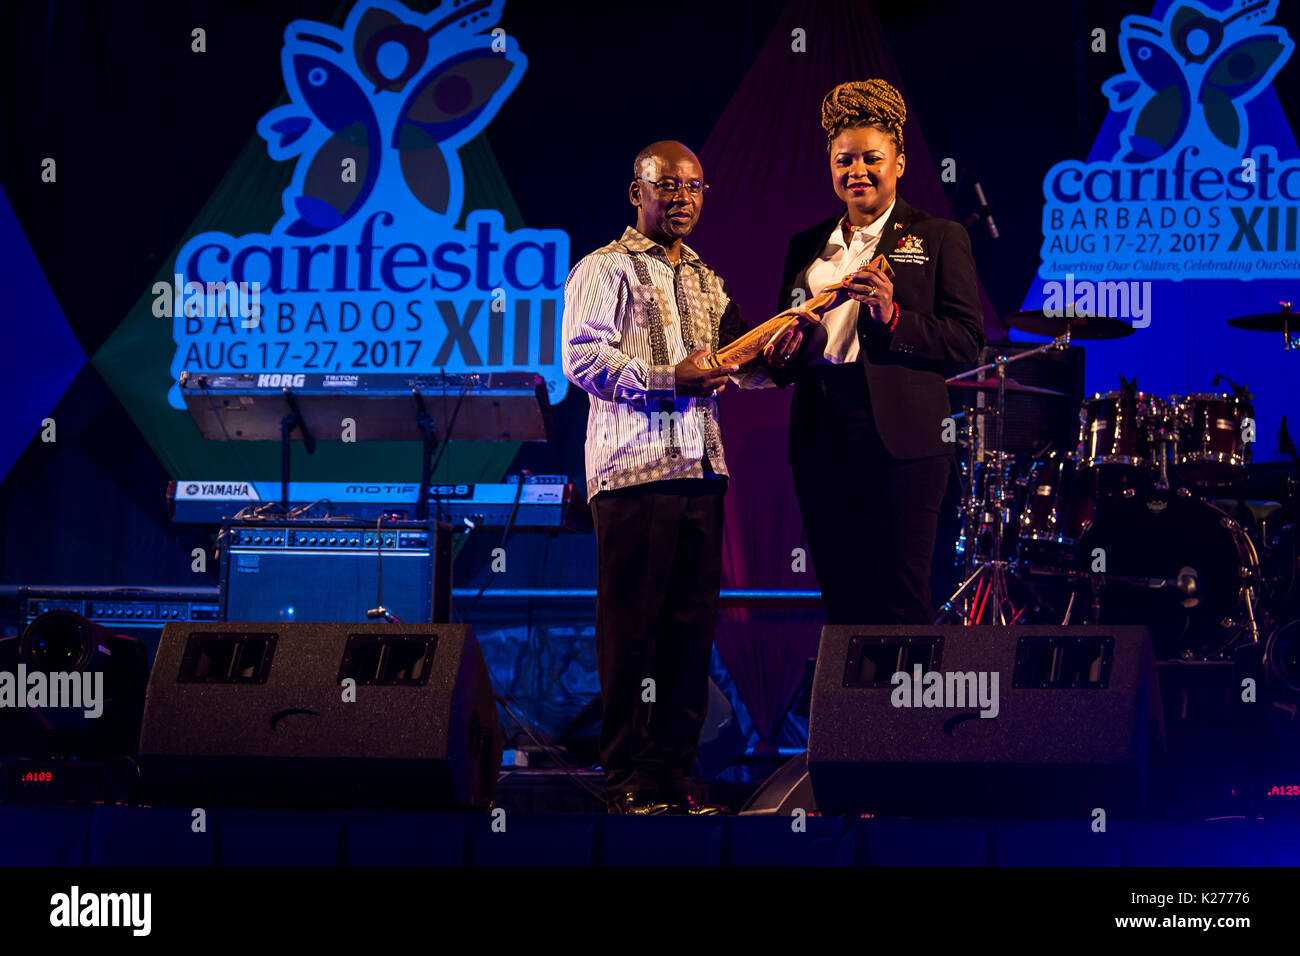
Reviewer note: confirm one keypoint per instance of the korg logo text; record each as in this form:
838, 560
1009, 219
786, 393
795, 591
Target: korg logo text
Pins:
281, 381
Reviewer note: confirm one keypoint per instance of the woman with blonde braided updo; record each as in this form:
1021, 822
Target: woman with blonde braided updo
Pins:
874, 103
867, 446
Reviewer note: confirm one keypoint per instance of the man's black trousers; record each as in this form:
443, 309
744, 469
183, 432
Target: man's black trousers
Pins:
659, 550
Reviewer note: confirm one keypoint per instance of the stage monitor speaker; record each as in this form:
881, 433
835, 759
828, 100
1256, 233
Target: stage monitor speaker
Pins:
1020, 721
320, 714
787, 790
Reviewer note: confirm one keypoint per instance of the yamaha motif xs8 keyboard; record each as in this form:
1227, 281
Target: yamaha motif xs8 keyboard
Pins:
543, 502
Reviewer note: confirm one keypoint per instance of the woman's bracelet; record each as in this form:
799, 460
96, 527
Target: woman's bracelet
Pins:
893, 323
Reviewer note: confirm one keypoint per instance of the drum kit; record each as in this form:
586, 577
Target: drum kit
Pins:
1142, 521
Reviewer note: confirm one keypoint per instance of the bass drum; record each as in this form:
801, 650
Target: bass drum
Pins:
1282, 564
1178, 565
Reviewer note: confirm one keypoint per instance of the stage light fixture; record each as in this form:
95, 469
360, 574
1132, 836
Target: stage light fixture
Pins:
75, 695
63, 641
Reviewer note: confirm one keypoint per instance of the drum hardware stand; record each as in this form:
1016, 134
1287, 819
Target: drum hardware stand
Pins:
1098, 582
1027, 581
291, 421
428, 438
1069, 609
1252, 625
989, 574
1162, 482
1250, 580
1280, 321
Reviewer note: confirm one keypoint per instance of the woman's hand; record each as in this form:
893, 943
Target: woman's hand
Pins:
782, 347
873, 288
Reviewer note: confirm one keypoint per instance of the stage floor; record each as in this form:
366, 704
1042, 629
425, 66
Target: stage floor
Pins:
157, 836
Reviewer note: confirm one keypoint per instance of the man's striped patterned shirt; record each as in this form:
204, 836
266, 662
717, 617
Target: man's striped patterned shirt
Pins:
629, 318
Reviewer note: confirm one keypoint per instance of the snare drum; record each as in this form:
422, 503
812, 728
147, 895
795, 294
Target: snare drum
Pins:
1121, 431
1211, 448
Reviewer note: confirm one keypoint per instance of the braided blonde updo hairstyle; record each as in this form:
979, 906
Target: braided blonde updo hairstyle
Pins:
866, 103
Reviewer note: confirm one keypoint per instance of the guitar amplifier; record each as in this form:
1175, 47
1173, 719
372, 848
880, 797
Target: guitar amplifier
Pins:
137, 612
335, 570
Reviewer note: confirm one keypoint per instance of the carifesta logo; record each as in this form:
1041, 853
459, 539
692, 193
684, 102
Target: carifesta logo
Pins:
1189, 75
1186, 193
366, 272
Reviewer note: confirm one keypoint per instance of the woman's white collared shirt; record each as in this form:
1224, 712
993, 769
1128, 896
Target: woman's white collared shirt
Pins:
835, 262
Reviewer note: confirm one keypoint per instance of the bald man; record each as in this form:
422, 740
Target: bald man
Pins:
638, 315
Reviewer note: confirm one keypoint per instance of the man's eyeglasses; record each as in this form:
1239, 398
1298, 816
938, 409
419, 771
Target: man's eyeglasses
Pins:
694, 187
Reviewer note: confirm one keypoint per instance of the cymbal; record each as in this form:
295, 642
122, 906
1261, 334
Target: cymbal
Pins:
991, 385
1081, 326
1267, 322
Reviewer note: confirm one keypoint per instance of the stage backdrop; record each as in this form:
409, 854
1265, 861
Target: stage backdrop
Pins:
144, 129
767, 154
371, 224
40, 355
1184, 213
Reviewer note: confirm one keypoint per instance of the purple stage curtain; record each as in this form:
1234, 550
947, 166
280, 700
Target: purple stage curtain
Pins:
769, 172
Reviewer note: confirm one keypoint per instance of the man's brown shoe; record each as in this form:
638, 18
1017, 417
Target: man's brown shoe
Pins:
633, 803
697, 809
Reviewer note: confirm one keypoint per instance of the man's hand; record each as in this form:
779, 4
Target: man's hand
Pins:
872, 287
693, 381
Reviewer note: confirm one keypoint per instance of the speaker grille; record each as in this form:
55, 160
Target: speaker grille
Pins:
227, 658
1076, 663
873, 661
385, 659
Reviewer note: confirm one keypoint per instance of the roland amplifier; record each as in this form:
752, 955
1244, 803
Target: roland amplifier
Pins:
335, 570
